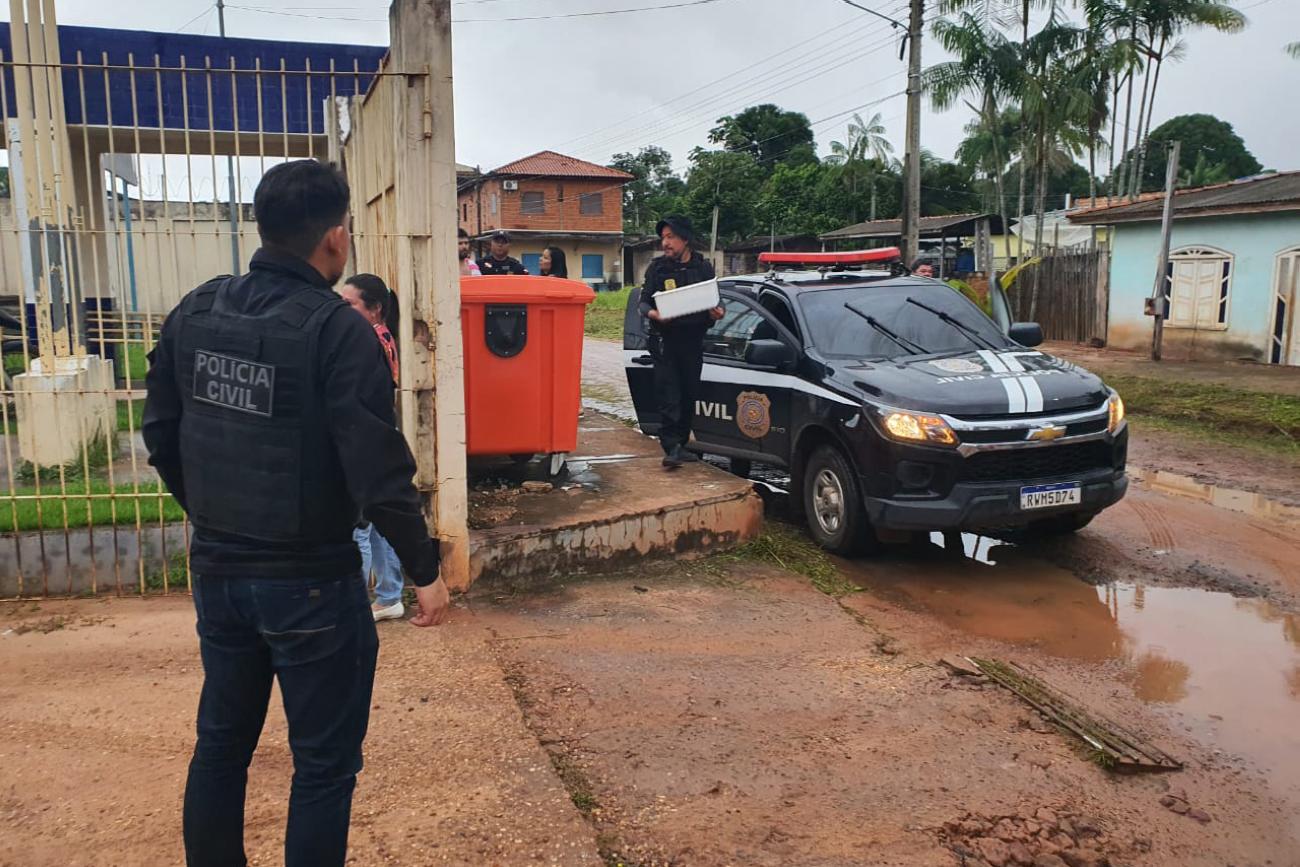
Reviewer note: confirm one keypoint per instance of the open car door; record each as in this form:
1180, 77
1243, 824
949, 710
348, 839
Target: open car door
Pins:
640, 365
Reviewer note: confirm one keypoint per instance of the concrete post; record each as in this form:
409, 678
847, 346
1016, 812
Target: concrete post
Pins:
428, 285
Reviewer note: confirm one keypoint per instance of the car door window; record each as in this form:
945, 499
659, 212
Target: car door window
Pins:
740, 325
777, 306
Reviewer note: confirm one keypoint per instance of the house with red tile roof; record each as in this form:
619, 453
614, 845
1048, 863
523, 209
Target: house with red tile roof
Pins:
550, 199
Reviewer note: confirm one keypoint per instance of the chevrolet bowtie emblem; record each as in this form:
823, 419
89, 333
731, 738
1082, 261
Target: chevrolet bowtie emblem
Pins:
1046, 433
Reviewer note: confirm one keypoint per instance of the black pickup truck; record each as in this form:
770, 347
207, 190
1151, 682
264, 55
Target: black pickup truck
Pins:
895, 404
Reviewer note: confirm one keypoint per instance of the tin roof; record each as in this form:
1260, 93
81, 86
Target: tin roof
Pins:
957, 225
1254, 195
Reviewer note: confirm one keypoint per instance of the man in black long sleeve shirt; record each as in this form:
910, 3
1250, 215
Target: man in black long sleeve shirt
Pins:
270, 418
679, 343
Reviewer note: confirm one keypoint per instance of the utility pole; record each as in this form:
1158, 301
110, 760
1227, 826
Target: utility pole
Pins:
912, 155
912, 148
230, 165
1159, 308
713, 236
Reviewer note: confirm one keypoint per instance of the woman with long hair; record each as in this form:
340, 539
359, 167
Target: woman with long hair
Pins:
371, 297
553, 263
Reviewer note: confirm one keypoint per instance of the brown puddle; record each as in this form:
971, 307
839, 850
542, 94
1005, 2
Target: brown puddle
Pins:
1229, 666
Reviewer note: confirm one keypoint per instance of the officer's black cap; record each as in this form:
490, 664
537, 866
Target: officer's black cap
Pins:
681, 227
501, 235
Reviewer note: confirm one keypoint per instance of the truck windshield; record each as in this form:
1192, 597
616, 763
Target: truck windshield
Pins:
835, 331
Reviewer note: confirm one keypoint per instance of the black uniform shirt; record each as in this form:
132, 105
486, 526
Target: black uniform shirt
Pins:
663, 274
508, 265
357, 389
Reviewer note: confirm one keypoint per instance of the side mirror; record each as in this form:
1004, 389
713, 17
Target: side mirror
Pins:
769, 353
1026, 333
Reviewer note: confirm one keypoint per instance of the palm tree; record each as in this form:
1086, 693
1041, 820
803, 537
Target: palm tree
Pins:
984, 151
986, 70
1058, 104
1161, 22
1294, 50
867, 151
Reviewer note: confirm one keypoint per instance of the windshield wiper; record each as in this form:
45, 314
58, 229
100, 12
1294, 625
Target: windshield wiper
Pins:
971, 334
911, 346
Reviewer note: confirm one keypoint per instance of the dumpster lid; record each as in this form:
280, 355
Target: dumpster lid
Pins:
513, 289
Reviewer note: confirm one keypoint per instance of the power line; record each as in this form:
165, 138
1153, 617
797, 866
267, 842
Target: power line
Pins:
551, 17
774, 81
765, 60
206, 10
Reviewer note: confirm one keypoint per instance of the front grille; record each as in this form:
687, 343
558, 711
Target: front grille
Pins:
1019, 434
1044, 462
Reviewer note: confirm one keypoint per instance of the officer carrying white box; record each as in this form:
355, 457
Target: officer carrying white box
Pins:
677, 344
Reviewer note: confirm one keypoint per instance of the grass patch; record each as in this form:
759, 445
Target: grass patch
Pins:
130, 414
788, 548
174, 575
131, 363
1271, 420
14, 364
87, 501
605, 314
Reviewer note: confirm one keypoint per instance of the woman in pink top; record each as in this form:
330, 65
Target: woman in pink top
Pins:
372, 299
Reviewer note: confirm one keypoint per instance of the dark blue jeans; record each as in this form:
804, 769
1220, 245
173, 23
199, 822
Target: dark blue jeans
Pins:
317, 637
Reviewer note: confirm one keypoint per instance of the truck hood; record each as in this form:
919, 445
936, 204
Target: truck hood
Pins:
974, 383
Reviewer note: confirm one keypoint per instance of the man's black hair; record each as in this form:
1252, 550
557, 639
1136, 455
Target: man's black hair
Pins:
297, 203
461, 233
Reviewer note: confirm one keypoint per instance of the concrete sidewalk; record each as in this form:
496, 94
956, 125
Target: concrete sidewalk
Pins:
1241, 375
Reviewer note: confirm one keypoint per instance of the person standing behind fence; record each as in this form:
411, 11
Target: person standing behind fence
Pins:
553, 263
269, 416
371, 297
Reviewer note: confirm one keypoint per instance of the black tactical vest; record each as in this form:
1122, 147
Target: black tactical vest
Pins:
256, 453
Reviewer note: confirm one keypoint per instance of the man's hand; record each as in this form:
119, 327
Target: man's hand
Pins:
716, 313
434, 601
654, 316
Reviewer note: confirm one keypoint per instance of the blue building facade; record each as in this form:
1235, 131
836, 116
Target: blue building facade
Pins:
1231, 281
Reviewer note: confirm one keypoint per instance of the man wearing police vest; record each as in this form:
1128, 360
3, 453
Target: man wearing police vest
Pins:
677, 344
270, 418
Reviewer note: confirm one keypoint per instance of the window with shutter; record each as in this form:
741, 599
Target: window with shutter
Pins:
1197, 284
533, 203
591, 204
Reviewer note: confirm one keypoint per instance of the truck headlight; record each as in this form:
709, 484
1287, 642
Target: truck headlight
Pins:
914, 427
1116, 405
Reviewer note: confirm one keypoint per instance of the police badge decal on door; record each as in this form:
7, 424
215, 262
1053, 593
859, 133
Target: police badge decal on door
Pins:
233, 383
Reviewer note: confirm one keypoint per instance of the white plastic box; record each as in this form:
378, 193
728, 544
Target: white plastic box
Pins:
674, 303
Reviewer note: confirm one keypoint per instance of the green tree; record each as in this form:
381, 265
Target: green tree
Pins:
1201, 135
1204, 173
769, 134
987, 71
732, 180
4, 182
1294, 50
654, 191
861, 160
947, 187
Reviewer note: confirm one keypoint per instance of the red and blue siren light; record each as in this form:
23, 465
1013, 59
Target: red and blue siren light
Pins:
823, 260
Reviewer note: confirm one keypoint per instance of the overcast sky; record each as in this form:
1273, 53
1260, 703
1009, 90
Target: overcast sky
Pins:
598, 85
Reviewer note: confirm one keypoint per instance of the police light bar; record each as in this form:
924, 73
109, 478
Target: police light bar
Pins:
850, 257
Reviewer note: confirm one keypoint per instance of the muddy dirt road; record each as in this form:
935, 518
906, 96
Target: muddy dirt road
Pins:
731, 711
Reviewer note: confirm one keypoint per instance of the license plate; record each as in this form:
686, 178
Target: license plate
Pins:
1047, 496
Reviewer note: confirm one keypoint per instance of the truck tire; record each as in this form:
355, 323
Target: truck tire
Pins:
832, 504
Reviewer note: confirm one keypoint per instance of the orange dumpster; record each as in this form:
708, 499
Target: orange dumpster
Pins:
523, 363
